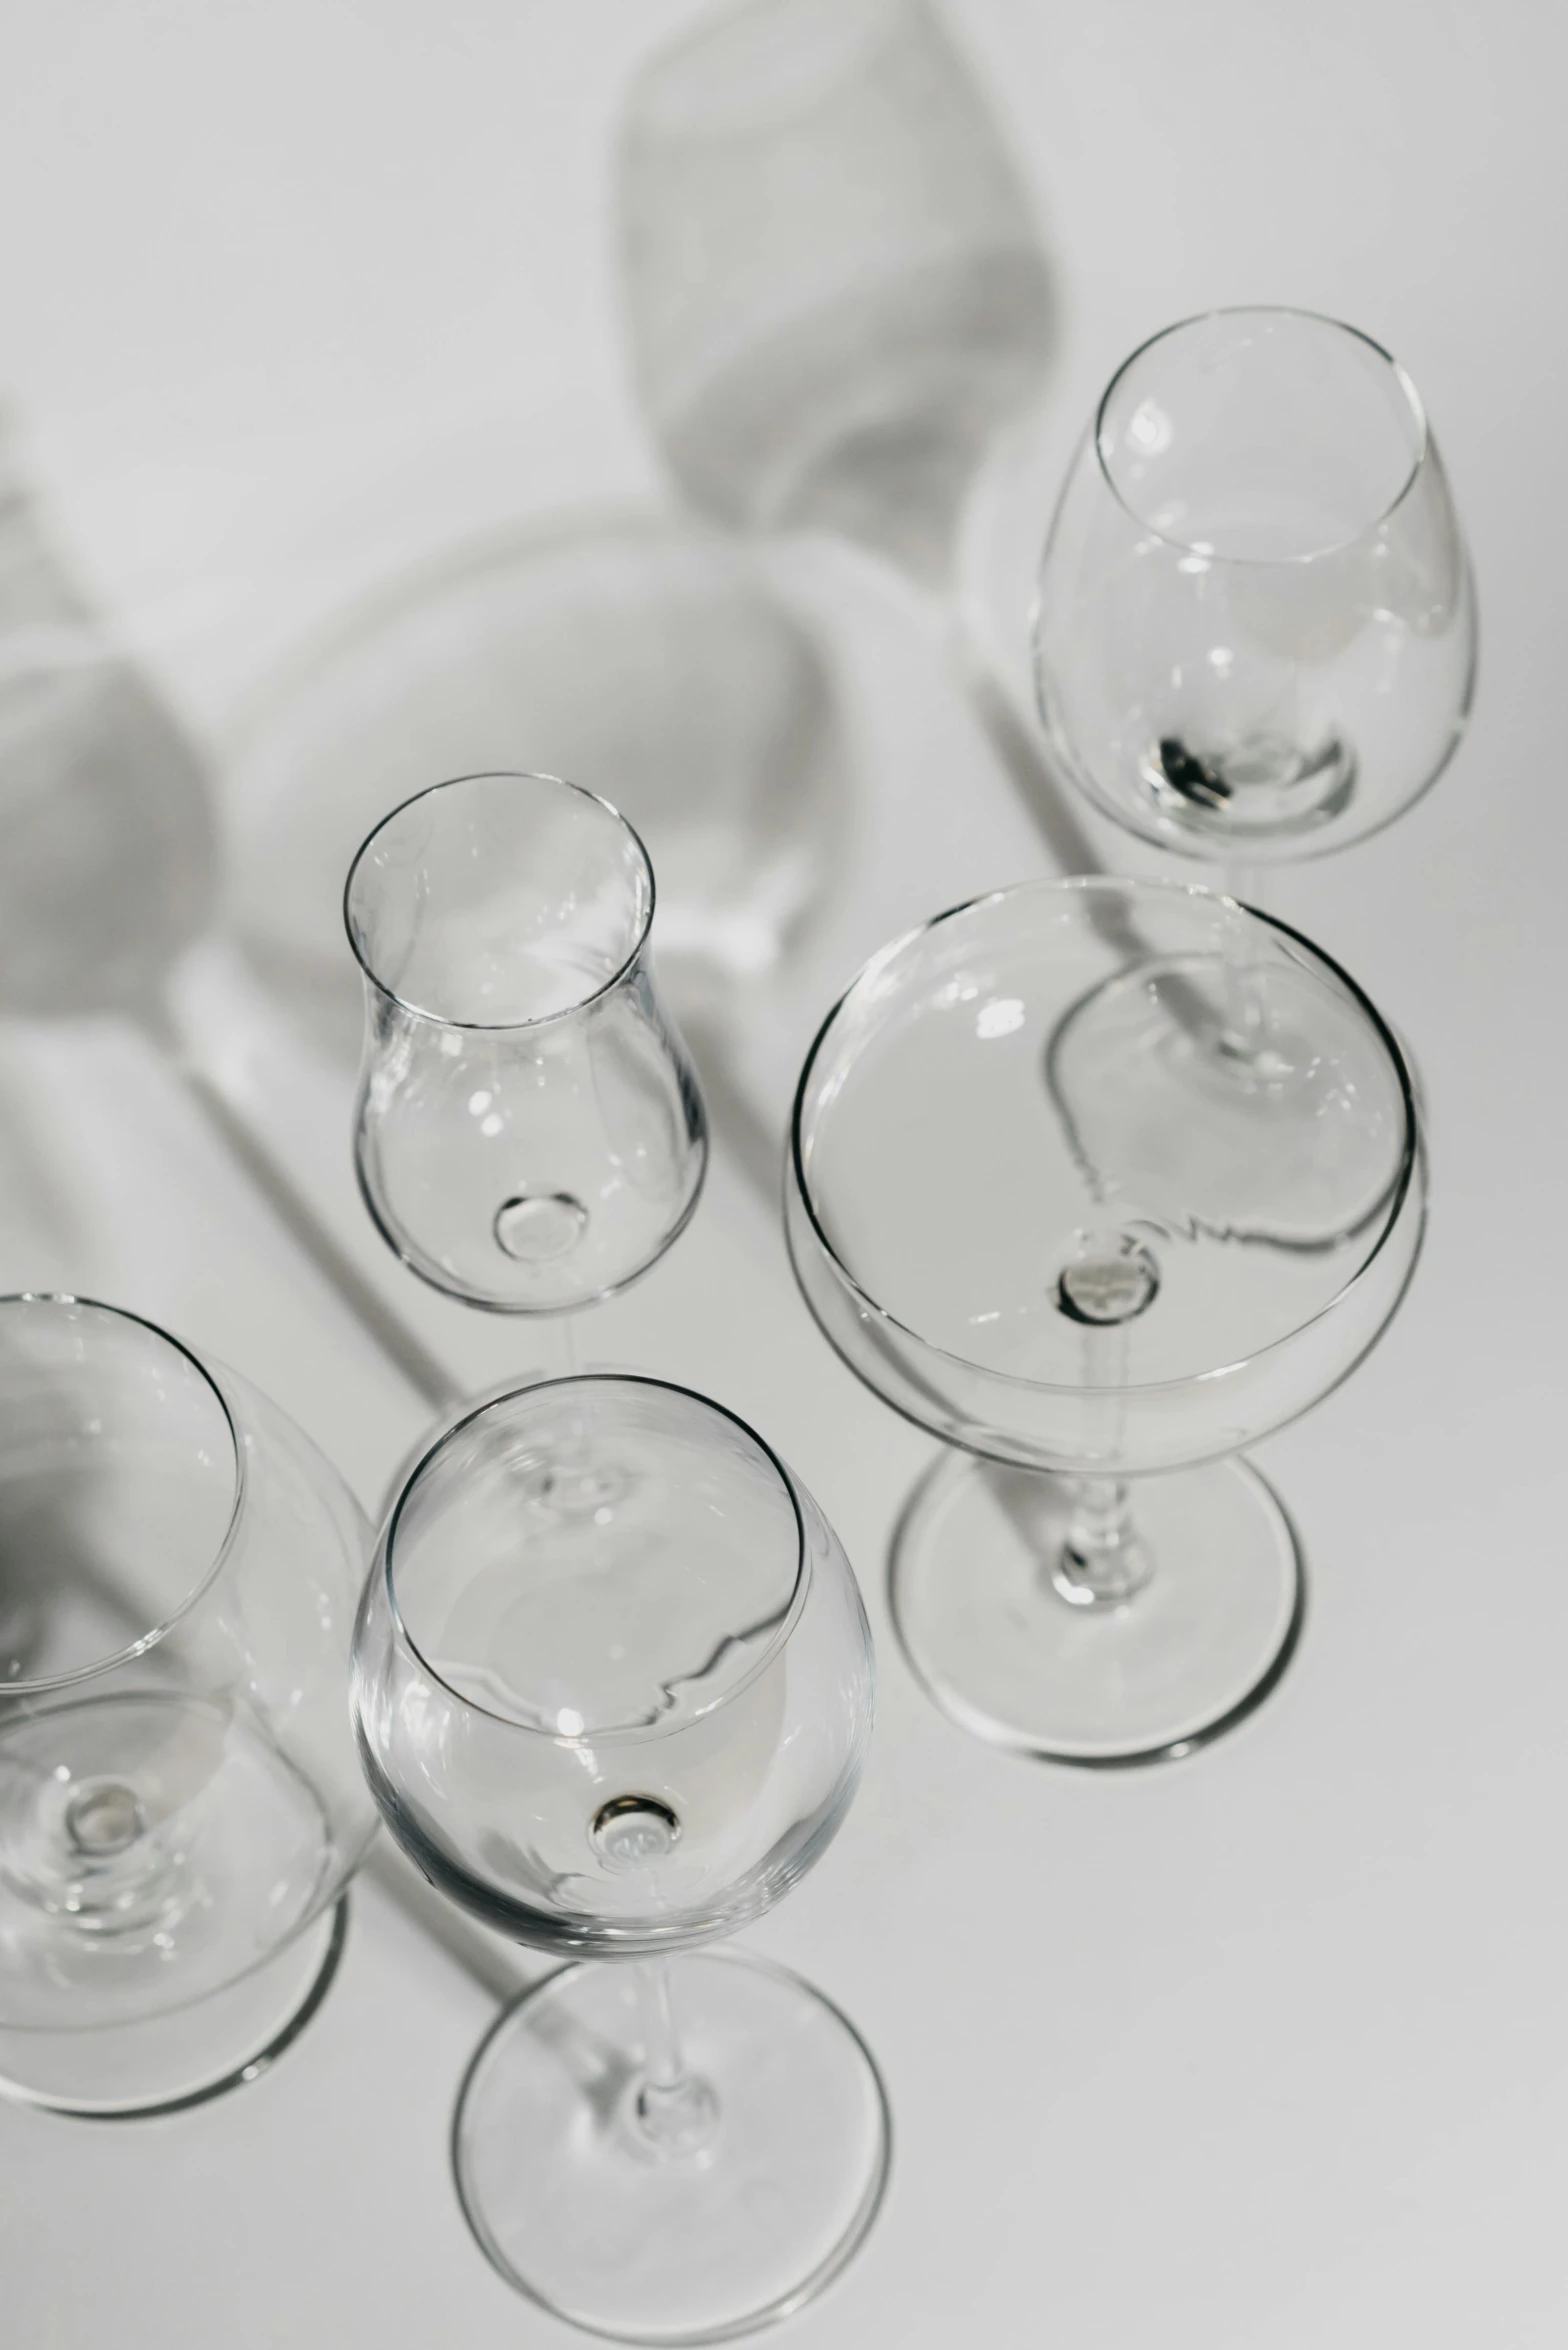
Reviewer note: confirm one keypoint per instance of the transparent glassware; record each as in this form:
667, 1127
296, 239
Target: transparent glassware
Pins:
529, 1134
180, 1804
1049, 1202
1255, 629
620, 1736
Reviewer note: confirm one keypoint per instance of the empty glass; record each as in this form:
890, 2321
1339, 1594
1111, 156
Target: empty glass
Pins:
1255, 634
180, 1806
1048, 1204
529, 1135
616, 1735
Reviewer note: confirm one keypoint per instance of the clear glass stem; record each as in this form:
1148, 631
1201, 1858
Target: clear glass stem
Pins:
676, 2111
567, 1325
1102, 1561
1243, 1014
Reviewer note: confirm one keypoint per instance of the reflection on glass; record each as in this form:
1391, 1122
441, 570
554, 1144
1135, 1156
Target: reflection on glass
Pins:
1256, 630
837, 297
618, 1731
1038, 1205
179, 1802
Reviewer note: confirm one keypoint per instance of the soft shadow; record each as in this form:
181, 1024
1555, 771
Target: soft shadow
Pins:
836, 290
110, 867
637, 655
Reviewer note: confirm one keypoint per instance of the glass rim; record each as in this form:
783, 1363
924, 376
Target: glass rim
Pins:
1338, 326
1084, 884
39, 1685
625, 1734
541, 1019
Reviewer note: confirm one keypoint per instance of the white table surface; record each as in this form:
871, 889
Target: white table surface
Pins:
1265, 2051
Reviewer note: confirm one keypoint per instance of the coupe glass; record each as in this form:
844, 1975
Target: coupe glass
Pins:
180, 1806
1255, 634
529, 1135
617, 1736
1043, 1208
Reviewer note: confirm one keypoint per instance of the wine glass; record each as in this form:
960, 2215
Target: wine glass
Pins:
838, 299
1255, 630
1037, 1206
617, 1736
529, 1134
180, 1806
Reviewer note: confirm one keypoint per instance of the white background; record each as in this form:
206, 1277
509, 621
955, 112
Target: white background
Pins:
1262, 2052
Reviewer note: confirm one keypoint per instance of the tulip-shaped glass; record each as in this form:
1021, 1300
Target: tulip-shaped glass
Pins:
180, 1806
1049, 1204
1255, 633
620, 1735
529, 1134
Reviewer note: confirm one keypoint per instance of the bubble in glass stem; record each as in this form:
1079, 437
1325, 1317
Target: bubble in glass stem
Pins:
631, 1830
1109, 1285
537, 1227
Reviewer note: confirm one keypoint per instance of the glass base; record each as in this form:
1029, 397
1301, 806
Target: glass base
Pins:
580, 2210
1015, 1658
122, 2071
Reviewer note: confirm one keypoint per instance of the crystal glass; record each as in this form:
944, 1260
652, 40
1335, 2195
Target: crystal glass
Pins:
618, 1735
529, 1135
180, 1806
831, 272
1051, 1203
1255, 633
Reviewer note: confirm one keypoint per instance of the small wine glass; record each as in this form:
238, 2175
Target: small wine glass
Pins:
529, 1134
617, 1736
180, 1807
1037, 1206
1255, 629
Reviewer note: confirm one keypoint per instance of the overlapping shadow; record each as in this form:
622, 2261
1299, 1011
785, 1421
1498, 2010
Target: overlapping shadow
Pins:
838, 299
636, 655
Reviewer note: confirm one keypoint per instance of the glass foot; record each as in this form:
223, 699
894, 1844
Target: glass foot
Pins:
580, 2209
120, 2071
997, 1637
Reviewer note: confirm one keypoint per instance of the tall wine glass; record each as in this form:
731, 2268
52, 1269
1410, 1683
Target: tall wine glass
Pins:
529, 1134
1255, 632
1043, 1212
179, 1802
621, 1736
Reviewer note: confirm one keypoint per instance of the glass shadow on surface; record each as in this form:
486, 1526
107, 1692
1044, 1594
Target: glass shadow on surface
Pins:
839, 303
179, 1804
832, 277
638, 655
111, 861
